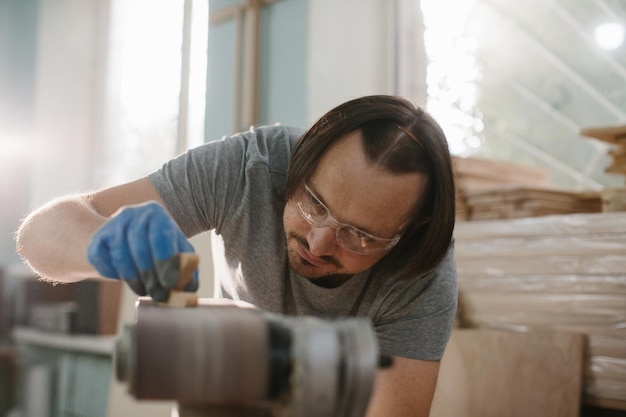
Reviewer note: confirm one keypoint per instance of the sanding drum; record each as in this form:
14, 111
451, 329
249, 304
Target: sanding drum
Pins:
222, 356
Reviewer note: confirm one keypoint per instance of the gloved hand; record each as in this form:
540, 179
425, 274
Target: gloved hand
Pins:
136, 245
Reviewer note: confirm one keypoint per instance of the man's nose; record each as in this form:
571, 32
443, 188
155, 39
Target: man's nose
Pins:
322, 241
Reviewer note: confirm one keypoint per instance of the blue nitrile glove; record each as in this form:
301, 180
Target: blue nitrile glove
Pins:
135, 245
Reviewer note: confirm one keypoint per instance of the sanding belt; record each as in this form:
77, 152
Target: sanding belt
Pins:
203, 361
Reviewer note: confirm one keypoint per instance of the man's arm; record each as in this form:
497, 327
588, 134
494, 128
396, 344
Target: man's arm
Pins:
404, 390
54, 238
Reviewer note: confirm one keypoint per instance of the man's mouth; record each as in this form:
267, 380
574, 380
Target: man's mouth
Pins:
306, 255
303, 252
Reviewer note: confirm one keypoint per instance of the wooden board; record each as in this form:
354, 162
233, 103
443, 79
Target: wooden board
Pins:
611, 134
487, 373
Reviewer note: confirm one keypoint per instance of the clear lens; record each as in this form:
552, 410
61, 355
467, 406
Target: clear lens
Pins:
350, 237
356, 241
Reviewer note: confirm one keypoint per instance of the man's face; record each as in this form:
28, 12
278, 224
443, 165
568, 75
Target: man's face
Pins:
356, 193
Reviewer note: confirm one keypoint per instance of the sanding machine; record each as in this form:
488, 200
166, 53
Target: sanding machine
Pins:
224, 359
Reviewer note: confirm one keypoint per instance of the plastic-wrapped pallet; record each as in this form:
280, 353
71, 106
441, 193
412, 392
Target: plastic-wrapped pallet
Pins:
565, 272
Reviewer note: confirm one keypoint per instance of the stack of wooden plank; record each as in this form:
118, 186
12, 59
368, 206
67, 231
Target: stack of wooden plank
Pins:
475, 174
510, 202
616, 137
558, 272
488, 189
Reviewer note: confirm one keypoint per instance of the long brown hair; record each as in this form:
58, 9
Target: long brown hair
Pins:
401, 138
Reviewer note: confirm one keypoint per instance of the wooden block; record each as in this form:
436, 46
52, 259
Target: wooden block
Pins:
187, 264
488, 373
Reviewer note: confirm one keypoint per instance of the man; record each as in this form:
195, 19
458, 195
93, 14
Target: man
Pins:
353, 217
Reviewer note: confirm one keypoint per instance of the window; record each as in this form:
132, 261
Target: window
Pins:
154, 86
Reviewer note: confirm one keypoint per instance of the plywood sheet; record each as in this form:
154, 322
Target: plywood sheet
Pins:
490, 373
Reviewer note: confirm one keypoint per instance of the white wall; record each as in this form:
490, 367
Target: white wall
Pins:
68, 85
350, 51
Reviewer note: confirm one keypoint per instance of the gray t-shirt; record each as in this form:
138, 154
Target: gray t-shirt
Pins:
236, 187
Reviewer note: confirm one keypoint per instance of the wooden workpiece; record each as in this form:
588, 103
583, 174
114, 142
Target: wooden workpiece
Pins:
187, 264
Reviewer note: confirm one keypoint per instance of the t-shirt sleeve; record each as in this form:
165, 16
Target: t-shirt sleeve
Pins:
204, 187
418, 318
190, 183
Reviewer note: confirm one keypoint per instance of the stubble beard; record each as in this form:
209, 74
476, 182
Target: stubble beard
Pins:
300, 265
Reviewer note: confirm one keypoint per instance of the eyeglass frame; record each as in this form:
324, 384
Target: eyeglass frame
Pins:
336, 225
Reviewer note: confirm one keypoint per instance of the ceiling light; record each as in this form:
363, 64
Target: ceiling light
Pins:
609, 35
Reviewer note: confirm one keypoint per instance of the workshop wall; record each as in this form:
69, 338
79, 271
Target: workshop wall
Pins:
312, 55
350, 51
18, 32
48, 115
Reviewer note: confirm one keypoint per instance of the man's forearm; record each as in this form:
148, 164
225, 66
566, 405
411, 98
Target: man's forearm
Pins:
53, 240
